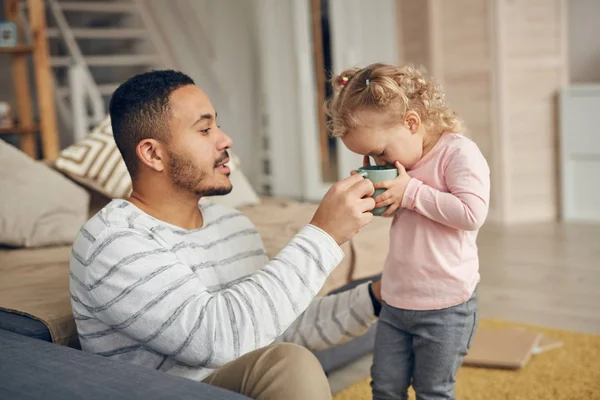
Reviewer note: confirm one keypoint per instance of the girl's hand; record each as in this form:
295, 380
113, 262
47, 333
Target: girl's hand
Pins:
395, 191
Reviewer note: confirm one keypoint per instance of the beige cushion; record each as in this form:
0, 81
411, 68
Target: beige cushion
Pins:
35, 282
96, 163
38, 206
278, 221
370, 247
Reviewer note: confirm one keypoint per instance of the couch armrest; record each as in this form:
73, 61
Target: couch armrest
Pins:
34, 369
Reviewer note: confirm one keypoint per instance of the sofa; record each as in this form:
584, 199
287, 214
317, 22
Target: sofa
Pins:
37, 329
35, 369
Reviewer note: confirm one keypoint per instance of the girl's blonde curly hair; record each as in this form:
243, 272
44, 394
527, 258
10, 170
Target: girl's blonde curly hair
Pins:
391, 89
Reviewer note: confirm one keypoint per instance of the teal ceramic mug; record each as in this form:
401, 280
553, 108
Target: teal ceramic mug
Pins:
376, 174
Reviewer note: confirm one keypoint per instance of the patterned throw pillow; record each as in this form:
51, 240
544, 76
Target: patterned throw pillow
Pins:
95, 162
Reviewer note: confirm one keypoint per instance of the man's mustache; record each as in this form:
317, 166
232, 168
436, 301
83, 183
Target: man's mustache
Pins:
224, 157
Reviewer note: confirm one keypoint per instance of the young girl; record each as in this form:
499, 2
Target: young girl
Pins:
398, 116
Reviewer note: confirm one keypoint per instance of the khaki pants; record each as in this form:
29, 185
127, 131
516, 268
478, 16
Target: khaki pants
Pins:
277, 372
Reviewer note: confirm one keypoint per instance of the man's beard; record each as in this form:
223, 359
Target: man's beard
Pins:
187, 177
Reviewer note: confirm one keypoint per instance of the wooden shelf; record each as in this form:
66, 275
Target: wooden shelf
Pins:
42, 72
18, 129
19, 49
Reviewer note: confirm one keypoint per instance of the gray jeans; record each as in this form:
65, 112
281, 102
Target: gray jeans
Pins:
422, 348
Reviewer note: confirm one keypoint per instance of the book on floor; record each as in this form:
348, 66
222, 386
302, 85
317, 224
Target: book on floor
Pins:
502, 348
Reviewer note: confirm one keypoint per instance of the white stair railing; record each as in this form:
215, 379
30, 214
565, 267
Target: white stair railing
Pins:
78, 97
86, 106
83, 87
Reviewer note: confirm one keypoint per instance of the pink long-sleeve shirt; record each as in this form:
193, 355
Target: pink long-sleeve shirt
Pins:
432, 261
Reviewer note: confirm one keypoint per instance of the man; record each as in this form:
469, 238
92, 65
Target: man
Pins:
169, 281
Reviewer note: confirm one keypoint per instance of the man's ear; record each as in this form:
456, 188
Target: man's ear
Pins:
152, 154
413, 121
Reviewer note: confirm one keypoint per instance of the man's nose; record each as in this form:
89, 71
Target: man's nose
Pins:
225, 141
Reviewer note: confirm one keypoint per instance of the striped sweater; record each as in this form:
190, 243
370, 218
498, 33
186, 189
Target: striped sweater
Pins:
188, 301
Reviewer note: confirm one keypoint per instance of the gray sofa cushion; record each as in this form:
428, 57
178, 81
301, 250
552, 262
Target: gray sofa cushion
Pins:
343, 354
34, 369
24, 325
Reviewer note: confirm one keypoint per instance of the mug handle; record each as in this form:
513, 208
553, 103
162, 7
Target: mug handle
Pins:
364, 174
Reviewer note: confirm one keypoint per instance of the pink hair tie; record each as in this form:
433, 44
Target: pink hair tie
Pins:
344, 80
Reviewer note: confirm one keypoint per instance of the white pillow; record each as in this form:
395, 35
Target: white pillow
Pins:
38, 206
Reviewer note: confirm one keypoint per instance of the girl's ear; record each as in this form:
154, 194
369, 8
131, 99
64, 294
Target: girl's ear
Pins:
413, 121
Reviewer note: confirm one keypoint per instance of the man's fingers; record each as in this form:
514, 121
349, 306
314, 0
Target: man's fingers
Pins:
362, 188
366, 218
349, 181
367, 204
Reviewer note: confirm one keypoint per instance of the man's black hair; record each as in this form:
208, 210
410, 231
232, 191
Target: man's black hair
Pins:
139, 109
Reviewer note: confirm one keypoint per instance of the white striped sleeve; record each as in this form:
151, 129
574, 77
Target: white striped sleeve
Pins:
333, 319
138, 287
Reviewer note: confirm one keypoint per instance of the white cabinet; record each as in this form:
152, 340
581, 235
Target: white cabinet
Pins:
580, 153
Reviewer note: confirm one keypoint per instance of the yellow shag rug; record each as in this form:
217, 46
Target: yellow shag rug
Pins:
570, 372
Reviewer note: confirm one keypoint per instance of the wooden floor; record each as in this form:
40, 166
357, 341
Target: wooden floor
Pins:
544, 274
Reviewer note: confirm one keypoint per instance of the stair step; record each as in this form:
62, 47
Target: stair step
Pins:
101, 33
105, 89
100, 7
109, 61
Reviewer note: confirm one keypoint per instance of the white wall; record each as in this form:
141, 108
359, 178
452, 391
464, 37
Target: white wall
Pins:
584, 46
215, 43
362, 33
283, 64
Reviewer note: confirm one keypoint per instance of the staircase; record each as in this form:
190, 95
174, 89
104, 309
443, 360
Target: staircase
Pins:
95, 45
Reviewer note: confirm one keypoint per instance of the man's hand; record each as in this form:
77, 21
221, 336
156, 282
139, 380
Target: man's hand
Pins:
345, 208
392, 197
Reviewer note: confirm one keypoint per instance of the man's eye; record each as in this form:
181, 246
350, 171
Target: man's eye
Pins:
205, 131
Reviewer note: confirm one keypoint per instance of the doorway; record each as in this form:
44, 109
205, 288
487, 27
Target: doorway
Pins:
323, 65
